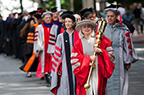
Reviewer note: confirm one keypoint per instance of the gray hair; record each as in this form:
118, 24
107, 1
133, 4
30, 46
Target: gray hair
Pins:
46, 13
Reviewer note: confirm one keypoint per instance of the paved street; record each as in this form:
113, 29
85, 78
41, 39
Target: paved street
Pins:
136, 73
13, 81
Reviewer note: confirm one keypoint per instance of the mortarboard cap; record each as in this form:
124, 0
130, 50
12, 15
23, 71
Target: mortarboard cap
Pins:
39, 8
20, 13
41, 11
14, 13
68, 14
38, 16
32, 13
62, 10
30, 19
112, 8
86, 11
53, 9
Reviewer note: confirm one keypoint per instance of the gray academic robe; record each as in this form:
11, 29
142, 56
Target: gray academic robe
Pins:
63, 49
124, 54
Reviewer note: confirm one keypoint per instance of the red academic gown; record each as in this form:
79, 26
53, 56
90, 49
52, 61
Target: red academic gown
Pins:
46, 39
105, 66
47, 66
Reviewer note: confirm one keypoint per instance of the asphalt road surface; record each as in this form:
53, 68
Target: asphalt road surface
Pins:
14, 82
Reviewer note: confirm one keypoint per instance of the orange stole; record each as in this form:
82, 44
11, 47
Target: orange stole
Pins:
32, 58
29, 63
36, 25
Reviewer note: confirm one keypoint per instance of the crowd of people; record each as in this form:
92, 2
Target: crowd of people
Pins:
135, 15
61, 46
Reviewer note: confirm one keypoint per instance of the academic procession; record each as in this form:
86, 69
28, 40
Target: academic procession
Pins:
87, 52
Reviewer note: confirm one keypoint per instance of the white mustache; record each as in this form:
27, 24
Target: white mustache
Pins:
55, 19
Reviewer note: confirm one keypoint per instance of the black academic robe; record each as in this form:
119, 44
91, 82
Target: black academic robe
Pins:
28, 53
14, 35
2, 36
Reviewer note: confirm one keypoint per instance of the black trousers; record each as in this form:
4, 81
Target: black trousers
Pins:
48, 78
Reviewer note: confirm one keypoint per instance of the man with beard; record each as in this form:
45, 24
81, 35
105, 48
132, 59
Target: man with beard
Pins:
55, 19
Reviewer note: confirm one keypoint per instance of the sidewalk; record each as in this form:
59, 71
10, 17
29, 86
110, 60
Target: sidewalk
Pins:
138, 38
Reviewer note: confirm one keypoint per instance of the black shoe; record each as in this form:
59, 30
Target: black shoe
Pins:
42, 78
48, 85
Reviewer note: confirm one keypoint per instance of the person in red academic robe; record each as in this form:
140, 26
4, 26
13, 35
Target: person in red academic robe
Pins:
44, 41
82, 55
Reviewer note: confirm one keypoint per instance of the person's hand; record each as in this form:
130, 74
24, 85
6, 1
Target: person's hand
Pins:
36, 54
92, 57
35, 19
97, 50
59, 72
51, 54
127, 66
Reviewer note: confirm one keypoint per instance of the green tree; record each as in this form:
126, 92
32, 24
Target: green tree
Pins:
65, 4
77, 6
52, 3
125, 3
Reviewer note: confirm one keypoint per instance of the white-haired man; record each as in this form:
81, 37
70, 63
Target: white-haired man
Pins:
44, 42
